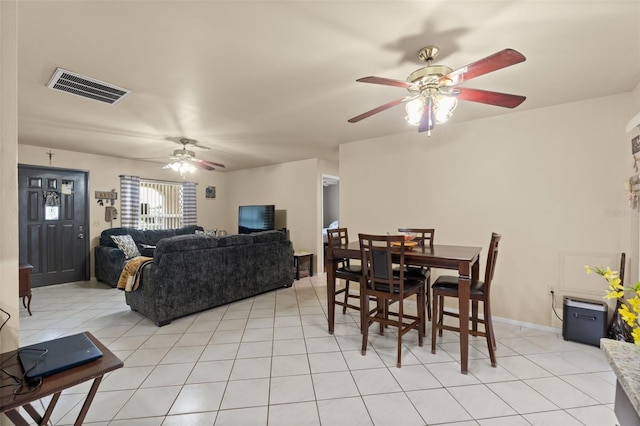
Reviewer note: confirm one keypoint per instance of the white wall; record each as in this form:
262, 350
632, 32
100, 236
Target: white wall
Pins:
295, 187
104, 175
635, 95
551, 181
8, 175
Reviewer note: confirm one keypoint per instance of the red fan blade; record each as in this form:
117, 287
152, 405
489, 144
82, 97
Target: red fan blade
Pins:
492, 98
426, 122
380, 109
502, 59
206, 165
385, 81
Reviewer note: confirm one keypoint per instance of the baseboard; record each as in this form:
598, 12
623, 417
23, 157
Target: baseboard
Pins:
509, 321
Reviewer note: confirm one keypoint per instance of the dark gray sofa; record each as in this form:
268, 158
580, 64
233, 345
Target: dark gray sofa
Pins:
109, 259
192, 273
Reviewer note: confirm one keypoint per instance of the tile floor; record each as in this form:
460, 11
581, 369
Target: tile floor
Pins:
269, 360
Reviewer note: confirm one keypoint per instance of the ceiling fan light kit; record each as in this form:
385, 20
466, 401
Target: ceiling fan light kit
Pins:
432, 95
185, 161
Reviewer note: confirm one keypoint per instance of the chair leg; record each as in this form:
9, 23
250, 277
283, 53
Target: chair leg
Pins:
422, 324
434, 323
427, 292
400, 314
364, 317
440, 313
474, 315
488, 325
346, 297
385, 315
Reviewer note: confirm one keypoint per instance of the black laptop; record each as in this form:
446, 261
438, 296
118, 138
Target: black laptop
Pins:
46, 358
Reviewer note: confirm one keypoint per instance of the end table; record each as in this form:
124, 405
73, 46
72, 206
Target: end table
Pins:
299, 256
24, 280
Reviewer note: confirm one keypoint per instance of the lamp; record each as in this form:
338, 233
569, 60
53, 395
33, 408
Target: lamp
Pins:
443, 107
181, 166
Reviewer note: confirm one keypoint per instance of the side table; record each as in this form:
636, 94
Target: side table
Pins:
53, 386
297, 258
24, 280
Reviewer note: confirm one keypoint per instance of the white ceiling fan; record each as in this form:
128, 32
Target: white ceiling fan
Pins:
184, 160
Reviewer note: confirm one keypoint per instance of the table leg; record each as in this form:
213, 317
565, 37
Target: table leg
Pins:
16, 418
464, 285
88, 401
27, 304
49, 411
331, 290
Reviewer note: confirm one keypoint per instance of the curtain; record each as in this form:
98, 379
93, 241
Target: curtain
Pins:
189, 205
130, 201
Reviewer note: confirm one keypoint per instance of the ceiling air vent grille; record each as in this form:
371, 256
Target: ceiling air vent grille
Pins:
86, 87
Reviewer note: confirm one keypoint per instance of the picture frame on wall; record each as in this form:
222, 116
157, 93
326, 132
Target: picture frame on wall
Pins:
210, 192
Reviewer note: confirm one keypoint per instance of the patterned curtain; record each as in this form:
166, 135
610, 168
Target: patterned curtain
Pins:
189, 205
130, 201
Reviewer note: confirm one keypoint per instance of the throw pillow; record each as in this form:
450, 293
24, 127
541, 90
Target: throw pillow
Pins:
127, 245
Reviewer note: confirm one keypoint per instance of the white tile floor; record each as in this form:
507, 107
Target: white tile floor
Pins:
269, 360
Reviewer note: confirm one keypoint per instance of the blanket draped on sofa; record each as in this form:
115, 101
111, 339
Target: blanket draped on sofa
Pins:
132, 272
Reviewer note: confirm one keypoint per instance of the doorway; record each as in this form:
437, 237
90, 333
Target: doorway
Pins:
52, 217
330, 207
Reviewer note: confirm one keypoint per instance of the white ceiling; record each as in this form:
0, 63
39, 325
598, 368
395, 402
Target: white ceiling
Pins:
264, 82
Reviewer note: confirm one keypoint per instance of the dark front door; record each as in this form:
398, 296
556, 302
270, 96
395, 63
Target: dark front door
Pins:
53, 224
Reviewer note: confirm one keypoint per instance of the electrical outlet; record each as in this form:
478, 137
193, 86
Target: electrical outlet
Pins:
550, 290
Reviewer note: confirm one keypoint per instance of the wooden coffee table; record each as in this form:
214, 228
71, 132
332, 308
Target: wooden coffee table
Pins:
51, 385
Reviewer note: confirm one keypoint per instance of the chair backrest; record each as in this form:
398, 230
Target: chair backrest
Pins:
424, 236
622, 265
336, 237
491, 259
377, 252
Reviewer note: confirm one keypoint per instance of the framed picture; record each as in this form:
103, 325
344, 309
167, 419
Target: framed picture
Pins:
210, 192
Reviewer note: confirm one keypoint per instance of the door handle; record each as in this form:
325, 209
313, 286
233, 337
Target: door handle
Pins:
80, 236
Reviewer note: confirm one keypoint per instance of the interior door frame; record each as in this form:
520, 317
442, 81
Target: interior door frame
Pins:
85, 174
320, 257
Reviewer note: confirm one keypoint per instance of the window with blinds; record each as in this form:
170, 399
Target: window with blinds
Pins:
161, 205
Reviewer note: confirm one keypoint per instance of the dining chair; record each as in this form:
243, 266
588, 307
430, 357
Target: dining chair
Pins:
424, 238
344, 270
379, 253
447, 286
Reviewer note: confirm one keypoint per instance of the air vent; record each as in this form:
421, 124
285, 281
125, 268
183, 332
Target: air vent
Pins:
86, 87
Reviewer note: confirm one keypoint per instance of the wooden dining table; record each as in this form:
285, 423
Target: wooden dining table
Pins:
463, 259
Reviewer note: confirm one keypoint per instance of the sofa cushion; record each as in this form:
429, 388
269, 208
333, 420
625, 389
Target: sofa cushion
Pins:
189, 229
127, 245
268, 236
152, 236
136, 234
208, 232
182, 243
235, 240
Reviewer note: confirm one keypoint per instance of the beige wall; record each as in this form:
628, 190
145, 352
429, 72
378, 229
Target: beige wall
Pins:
550, 180
635, 95
8, 175
104, 175
295, 187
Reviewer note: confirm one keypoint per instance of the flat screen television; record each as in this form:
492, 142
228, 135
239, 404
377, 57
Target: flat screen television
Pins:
255, 218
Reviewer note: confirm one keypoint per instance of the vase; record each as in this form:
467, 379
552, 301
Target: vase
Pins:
619, 329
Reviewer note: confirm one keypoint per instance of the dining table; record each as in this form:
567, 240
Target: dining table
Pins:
463, 259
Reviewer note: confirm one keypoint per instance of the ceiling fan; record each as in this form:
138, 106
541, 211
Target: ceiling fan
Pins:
433, 94
184, 160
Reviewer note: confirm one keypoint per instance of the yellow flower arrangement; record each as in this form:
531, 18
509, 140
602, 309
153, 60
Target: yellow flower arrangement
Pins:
630, 307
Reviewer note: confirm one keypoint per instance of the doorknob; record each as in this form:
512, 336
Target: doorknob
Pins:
80, 236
